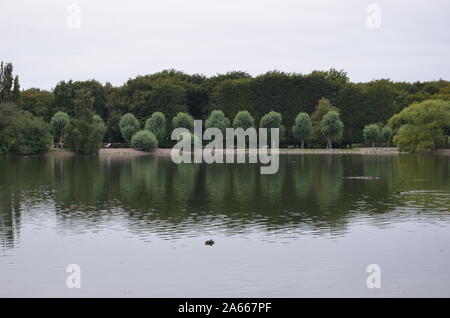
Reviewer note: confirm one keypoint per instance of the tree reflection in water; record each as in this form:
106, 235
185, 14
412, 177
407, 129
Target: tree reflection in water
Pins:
151, 194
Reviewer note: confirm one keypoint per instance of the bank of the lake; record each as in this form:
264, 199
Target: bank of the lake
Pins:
295, 151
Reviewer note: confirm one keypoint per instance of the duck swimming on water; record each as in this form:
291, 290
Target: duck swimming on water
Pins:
210, 242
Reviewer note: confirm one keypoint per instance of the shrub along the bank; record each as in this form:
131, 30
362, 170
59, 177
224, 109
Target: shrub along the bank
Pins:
144, 140
422, 126
28, 135
21, 133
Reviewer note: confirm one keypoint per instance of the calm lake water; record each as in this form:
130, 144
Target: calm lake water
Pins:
137, 227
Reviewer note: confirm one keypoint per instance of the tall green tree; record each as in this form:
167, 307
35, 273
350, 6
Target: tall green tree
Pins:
156, 124
217, 119
372, 134
6, 82
129, 125
58, 123
84, 134
302, 129
244, 120
332, 127
272, 120
183, 120
323, 107
386, 134
16, 98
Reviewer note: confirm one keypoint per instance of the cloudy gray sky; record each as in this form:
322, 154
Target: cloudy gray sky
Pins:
121, 39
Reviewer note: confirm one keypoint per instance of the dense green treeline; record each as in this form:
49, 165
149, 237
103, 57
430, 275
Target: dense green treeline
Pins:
172, 91
289, 94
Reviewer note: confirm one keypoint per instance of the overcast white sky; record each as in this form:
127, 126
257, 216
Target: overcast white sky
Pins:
121, 39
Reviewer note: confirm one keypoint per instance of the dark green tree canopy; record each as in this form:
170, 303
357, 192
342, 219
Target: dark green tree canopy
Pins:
39, 102
65, 95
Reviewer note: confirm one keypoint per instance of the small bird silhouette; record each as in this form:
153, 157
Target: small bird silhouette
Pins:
210, 242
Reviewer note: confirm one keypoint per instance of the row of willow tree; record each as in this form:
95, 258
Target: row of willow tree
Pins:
291, 96
327, 125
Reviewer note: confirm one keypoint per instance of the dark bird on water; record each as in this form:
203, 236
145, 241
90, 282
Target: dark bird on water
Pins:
210, 242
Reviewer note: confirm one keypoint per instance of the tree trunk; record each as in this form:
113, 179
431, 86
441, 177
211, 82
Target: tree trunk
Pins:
303, 144
60, 141
373, 145
329, 145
